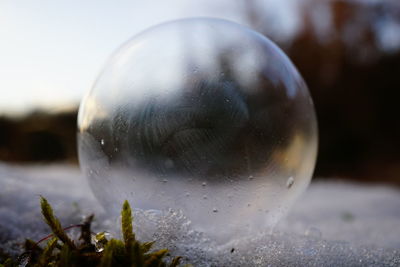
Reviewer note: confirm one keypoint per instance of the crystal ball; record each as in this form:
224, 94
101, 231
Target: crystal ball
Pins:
201, 116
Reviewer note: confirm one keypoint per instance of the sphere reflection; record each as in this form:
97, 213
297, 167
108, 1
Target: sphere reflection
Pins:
204, 116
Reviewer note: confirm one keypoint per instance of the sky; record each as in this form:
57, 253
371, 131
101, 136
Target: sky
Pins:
52, 51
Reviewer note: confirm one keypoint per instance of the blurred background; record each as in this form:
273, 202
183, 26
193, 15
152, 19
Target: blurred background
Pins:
348, 51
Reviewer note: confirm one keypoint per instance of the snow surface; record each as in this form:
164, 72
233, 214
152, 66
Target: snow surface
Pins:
333, 224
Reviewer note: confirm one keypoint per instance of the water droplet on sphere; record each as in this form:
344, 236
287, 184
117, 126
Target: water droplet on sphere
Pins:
290, 182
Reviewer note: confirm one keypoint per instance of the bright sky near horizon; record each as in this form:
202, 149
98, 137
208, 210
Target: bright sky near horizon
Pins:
52, 51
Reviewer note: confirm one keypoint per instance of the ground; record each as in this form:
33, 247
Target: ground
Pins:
334, 223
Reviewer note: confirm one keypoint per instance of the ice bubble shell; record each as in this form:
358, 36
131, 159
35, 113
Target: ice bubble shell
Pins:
202, 116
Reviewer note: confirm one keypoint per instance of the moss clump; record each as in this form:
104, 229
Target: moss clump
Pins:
61, 250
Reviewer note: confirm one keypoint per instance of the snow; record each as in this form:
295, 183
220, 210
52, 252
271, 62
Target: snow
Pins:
335, 223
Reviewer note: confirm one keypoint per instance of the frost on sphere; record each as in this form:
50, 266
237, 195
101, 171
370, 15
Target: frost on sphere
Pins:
195, 108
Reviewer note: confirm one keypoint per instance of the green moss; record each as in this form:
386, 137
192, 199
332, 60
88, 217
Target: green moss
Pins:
61, 250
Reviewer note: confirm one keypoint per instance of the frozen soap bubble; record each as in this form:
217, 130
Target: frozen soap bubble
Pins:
203, 116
